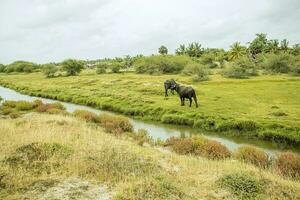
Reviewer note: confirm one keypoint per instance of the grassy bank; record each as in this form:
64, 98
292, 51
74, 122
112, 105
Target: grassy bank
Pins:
266, 107
55, 156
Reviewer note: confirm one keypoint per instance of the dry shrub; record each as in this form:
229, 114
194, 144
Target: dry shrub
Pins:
253, 155
44, 107
288, 164
86, 115
213, 150
199, 146
115, 124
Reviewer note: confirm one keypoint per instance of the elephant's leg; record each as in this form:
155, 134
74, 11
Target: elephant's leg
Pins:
190, 101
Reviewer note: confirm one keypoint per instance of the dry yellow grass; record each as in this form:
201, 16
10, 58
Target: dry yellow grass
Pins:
116, 164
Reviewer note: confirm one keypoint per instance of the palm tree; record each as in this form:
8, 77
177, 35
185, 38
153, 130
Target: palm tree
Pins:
284, 45
194, 49
181, 50
272, 46
236, 51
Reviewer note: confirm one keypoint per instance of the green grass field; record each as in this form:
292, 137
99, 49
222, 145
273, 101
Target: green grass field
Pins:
265, 106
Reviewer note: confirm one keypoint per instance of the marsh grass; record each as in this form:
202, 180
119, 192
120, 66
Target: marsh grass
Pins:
130, 171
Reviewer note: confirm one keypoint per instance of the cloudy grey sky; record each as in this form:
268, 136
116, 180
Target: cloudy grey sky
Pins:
53, 30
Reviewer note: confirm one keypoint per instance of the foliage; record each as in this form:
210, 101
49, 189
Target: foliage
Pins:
288, 164
49, 70
86, 115
240, 68
259, 44
72, 67
242, 185
198, 146
35, 157
2, 68
155, 188
253, 156
142, 136
21, 66
236, 51
115, 124
41, 107
198, 71
116, 68
163, 50
102, 67
295, 68
278, 63
161, 64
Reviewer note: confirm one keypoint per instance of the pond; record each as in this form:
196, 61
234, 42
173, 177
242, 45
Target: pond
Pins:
158, 130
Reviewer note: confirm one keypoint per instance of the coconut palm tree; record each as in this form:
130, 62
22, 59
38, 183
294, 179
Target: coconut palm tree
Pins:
181, 50
236, 51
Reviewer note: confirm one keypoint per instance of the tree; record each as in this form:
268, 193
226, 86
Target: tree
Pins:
296, 49
284, 45
72, 67
259, 44
181, 50
194, 50
272, 46
163, 50
2, 68
236, 51
49, 70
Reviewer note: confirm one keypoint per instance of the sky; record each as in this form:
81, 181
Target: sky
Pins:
53, 30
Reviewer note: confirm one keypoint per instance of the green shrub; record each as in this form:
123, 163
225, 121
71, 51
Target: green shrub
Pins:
241, 126
153, 188
277, 63
176, 119
100, 70
35, 157
166, 64
21, 66
49, 70
115, 124
198, 71
9, 104
72, 67
2, 68
242, 185
86, 115
295, 68
252, 155
240, 68
116, 68
24, 105
288, 164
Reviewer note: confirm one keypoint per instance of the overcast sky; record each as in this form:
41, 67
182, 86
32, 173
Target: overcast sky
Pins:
52, 30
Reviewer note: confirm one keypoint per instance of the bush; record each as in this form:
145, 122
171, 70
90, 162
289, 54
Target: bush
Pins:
24, 105
116, 68
100, 70
49, 70
253, 156
295, 68
198, 71
154, 188
45, 107
72, 67
36, 157
198, 146
9, 104
142, 136
278, 63
239, 68
86, 115
115, 124
288, 164
166, 64
213, 150
21, 66
242, 185
2, 68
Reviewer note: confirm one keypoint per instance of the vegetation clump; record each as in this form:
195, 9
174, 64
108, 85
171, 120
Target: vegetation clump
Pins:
253, 156
197, 71
72, 67
242, 67
242, 185
198, 146
115, 124
288, 164
154, 188
49, 70
38, 157
86, 115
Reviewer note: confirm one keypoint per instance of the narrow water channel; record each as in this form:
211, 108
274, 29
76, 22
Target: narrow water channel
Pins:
157, 130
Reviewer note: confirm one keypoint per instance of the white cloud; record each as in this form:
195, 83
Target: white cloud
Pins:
52, 30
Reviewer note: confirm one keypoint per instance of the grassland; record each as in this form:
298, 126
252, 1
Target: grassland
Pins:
267, 107
55, 156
